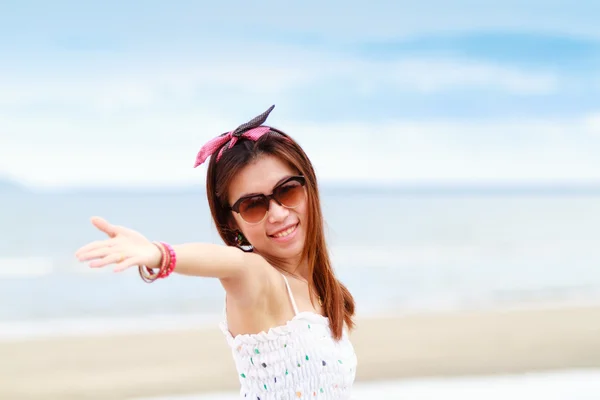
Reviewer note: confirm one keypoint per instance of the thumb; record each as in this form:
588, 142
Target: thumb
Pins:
105, 226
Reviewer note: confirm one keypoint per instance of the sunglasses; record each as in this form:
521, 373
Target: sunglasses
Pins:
288, 194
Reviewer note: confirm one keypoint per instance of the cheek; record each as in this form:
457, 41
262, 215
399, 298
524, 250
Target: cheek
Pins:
301, 209
249, 231
254, 233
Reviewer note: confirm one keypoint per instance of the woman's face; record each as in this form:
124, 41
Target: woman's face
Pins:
281, 232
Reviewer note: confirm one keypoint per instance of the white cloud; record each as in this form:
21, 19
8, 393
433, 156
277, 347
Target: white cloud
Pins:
381, 19
462, 151
159, 149
349, 21
143, 86
139, 121
437, 75
592, 124
139, 84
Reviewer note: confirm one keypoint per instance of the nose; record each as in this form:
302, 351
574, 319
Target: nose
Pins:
277, 213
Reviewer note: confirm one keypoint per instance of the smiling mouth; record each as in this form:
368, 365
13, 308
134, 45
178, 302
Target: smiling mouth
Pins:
285, 232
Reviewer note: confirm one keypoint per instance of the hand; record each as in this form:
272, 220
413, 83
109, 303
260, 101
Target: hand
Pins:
125, 248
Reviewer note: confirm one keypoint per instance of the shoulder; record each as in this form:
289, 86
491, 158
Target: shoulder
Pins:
255, 280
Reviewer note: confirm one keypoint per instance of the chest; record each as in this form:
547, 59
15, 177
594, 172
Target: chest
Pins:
304, 348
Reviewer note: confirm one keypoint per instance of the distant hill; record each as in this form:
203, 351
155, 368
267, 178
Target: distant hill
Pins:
336, 189
9, 186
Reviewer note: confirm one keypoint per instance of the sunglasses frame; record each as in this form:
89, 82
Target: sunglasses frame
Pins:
236, 206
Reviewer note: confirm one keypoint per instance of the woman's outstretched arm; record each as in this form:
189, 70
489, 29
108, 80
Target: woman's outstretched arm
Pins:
127, 248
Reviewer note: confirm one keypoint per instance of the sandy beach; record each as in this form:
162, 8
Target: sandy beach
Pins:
442, 344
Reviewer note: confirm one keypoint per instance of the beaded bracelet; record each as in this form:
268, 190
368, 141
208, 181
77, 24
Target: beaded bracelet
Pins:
167, 264
170, 266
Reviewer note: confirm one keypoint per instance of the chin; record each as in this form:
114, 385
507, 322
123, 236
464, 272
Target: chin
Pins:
286, 249
294, 252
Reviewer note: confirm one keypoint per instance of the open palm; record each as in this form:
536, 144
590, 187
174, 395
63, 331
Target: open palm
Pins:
124, 248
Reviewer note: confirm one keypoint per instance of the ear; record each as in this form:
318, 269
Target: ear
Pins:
231, 227
232, 223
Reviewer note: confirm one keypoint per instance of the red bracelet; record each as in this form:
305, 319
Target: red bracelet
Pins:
172, 260
167, 264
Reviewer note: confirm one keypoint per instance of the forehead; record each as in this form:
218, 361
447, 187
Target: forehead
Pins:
259, 176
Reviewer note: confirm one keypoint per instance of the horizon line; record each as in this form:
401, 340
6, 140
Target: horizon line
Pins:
424, 186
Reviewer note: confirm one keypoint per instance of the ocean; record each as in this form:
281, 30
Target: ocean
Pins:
399, 250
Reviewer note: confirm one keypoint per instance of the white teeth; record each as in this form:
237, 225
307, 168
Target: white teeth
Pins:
285, 233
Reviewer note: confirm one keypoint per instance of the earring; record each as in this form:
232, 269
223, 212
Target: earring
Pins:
242, 242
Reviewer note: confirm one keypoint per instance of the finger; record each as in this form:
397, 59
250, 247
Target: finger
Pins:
106, 227
112, 258
127, 263
99, 253
98, 244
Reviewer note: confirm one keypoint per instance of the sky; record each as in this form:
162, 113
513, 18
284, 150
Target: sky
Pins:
125, 93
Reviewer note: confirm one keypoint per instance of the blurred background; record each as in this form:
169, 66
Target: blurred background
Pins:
456, 145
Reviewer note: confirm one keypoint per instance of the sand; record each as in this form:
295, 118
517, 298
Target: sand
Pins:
194, 361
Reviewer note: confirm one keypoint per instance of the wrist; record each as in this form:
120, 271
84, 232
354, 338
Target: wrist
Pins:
157, 257
162, 258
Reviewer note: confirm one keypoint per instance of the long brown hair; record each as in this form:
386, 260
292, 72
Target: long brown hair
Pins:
338, 303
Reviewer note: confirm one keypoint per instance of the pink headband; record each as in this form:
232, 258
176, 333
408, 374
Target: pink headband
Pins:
251, 130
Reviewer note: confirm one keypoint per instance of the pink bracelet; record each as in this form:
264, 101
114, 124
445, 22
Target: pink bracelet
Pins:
167, 264
172, 260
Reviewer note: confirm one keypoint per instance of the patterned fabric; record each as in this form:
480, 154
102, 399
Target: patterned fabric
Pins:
250, 130
298, 360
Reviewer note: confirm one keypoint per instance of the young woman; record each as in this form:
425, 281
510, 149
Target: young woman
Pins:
287, 317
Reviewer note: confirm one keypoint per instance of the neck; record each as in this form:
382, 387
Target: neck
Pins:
293, 267
302, 271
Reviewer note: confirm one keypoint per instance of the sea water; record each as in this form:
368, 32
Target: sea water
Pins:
397, 250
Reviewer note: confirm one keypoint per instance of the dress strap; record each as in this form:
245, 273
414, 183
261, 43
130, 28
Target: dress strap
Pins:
290, 294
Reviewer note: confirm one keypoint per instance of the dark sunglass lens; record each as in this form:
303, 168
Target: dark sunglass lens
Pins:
253, 209
290, 194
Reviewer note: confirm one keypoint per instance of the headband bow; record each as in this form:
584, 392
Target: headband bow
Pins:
251, 130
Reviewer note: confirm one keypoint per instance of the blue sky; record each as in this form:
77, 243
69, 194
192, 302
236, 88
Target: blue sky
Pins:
125, 94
